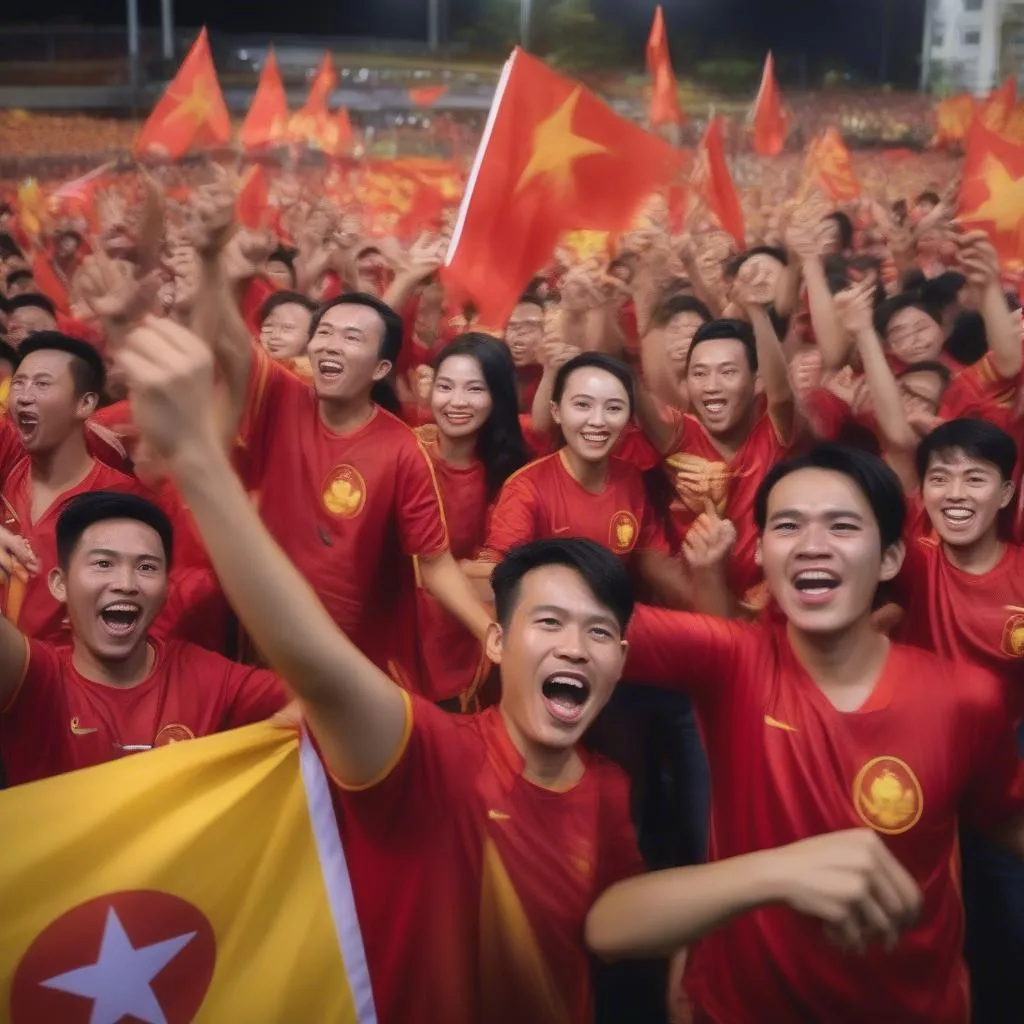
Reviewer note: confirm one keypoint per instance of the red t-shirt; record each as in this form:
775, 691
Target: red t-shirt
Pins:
472, 884
350, 511
980, 391
452, 658
932, 742
545, 500
731, 485
58, 721
961, 616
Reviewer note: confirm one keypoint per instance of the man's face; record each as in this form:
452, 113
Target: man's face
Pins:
114, 586
345, 352
285, 331
821, 551
21, 286
913, 336
44, 406
67, 246
560, 656
721, 385
593, 413
963, 497
524, 332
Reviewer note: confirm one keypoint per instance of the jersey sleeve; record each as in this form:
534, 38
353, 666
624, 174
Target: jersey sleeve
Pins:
35, 697
918, 545
253, 694
683, 651
11, 450
980, 391
995, 790
514, 519
422, 529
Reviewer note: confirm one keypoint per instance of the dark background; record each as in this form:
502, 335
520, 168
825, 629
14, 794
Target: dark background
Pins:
806, 35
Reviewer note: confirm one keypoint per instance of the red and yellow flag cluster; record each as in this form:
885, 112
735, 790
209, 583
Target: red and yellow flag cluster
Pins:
829, 167
314, 125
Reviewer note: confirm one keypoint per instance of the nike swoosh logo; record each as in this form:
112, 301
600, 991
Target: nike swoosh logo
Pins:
774, 723
498, 815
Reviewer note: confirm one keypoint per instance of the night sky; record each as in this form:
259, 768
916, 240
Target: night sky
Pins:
803, 33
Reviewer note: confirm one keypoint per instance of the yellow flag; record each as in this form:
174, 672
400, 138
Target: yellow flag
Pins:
204, 882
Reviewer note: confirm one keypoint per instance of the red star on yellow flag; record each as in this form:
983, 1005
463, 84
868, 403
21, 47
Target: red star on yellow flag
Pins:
191, 113
992, 192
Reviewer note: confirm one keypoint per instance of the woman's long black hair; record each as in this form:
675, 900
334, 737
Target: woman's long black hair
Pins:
499, 443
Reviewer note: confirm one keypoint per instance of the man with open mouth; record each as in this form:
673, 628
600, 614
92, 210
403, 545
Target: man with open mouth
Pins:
116, 689
476, 844
815, 724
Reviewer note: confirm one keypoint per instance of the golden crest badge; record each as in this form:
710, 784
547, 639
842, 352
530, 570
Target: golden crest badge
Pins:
344, 492
1012, 643
623, 532
887, 795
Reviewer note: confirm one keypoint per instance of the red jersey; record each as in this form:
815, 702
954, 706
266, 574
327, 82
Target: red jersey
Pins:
731, 485
787, 765
545, 500
472, 884
452, 657
59, 721
962, 616
980, 391
351, 511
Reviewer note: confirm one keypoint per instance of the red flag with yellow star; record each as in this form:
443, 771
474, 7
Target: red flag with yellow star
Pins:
665, 107
769, 117
266, 124
314, 125
829, 166
992, 191
996, 110
713, 183
953, 117
191, 114
553, 158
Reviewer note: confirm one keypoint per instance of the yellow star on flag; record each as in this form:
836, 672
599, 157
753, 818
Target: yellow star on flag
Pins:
196, 102
1005, 203
556, 148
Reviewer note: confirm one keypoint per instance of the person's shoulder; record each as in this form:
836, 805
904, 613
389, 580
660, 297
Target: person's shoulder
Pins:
182, 657
962, 680
536, 470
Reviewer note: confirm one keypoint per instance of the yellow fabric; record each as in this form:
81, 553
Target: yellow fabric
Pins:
221, 823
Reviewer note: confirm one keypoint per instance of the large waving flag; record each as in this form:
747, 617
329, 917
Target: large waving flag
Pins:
191, 114
769, 117
665, 108
829, 167
713, 183
201, 882
266, 124
314, 125
953, 117
992, 191
996, 109
553, 158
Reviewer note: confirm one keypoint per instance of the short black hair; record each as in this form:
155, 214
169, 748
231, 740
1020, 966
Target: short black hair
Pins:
905, 300
21, 274
604, 574
530, 298
676, 304
286, 299
391, 339
80, 512
943, 290
968, 340
282, 255
599, 361
33, 300
845, 226
977, 439
9, 354
87, 369
726, 329
733, 264
874, 479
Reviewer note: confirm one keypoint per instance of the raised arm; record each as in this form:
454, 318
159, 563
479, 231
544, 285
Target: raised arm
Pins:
980, 264
17, 563
358, 716
835, 348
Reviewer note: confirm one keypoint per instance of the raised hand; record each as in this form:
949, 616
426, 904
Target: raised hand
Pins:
17, 558
710, 539
114, 292
855, 308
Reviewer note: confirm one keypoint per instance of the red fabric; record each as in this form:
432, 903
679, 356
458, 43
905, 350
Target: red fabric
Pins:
544, 500
787, 765
769, 117
350, 511
189, 693
257, 290
266, 123
665, 107
428, 849
714, 184
452, 656
50, 283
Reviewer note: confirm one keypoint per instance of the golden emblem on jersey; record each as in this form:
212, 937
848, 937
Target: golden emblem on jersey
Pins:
888, 796
622, 532
173, 733
344, 492
1012, 644
700, 479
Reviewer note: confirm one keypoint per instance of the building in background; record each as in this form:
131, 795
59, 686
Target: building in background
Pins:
970, 45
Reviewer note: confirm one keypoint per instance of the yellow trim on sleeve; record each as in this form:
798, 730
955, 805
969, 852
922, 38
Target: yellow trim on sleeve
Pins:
395, 759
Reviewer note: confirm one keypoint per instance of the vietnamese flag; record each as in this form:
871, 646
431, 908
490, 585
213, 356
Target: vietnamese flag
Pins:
996, 110
953, 118
254, 198
191, 114
769, 117
992, 190
830, 167
553, 158
313, 125
266, 124
714, 185
665, 107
